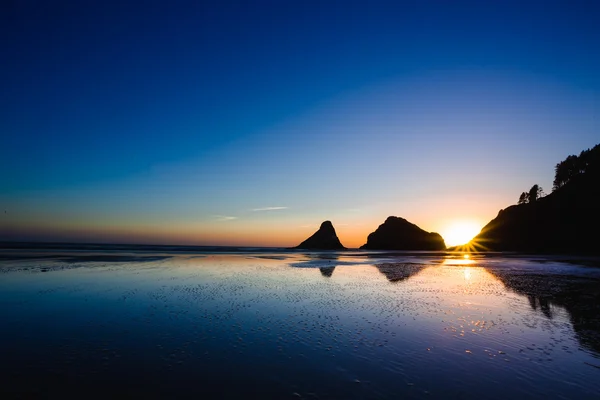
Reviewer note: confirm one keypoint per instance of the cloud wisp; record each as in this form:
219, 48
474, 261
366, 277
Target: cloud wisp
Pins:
224, 217
269, 208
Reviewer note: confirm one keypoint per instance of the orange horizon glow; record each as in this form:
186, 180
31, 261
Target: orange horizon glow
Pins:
52, 221
229, 233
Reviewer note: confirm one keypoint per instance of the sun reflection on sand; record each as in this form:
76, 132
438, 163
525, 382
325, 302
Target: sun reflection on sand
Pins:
454, 260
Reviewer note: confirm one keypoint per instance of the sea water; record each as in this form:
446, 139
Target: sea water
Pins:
273, 323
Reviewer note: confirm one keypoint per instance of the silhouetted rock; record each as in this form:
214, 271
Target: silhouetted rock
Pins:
399, 234
323, 239
327, 271
565, 221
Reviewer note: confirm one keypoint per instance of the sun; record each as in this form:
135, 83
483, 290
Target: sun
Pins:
460, 232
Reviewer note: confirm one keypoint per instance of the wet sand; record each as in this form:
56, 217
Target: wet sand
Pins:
298, 325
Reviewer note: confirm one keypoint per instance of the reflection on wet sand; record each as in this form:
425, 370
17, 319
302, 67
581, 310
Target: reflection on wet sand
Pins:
545, 293
541, 303
320, 260
579, 296
396, 272
382, 326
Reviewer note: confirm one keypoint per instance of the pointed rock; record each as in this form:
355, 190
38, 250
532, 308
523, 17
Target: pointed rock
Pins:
399, 234
323, 239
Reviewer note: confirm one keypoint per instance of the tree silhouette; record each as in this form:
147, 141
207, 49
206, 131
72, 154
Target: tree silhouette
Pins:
534, 193
588, 161
565, 171
523, 198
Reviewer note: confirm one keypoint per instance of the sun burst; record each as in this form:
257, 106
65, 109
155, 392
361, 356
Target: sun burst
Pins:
460, 232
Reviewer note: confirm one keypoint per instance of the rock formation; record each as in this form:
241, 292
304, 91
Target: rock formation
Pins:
562, 222
399, 234
323, 239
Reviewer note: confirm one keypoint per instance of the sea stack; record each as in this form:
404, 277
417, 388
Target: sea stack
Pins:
323, 239
399, 234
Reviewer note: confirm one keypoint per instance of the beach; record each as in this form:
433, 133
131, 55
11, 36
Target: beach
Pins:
296, 324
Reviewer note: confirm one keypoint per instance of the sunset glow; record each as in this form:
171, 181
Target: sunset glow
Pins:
180, 142
460, 232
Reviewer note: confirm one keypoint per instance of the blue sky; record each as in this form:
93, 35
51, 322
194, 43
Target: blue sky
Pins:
173, 121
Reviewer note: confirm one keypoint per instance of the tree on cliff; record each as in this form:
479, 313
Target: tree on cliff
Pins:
565, 171
535, 193
572, 166
532, 195
523, 198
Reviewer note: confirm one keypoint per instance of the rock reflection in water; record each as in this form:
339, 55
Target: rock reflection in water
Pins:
327, 271
396, 272
579, 296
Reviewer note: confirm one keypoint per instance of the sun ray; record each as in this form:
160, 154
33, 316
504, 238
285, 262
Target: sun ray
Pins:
460, 232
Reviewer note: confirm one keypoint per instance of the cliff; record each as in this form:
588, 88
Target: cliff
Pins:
566, 221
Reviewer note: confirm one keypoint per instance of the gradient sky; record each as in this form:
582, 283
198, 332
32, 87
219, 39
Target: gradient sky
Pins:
251, 122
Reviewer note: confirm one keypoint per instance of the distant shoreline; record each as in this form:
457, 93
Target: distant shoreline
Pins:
113, 247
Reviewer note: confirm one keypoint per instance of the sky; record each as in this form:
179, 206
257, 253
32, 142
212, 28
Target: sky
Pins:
251, 122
